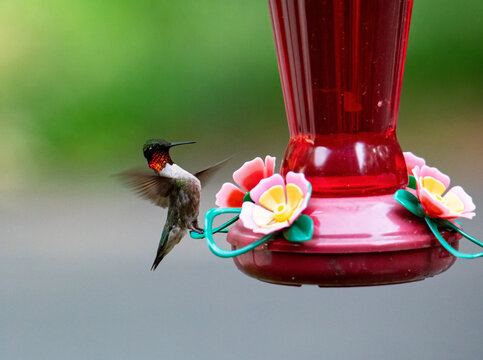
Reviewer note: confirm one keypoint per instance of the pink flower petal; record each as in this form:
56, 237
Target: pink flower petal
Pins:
464, 197
250, 174
412, 161
468, 215
433, 172
229, 196
432, 207
298, 210
269, 165
246, 218
467, 201
299, 180
264, 185
304, 185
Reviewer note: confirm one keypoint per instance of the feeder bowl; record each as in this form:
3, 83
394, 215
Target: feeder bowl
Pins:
356, 242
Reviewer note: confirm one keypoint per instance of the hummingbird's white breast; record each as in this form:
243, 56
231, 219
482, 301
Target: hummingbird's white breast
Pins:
185, 200
176, 172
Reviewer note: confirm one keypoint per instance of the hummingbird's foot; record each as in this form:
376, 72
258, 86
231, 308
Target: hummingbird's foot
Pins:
197, 230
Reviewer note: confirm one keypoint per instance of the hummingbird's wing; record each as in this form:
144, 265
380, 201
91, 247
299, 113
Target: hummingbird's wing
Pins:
205, 175
151, 186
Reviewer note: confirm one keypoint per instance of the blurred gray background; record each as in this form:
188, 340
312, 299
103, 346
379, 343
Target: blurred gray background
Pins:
84, 83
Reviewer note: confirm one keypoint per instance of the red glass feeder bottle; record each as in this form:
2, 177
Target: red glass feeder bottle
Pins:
341, 67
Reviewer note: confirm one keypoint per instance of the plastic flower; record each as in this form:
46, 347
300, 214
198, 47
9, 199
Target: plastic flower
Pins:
277, 203
412, 161
246, 177
431, 184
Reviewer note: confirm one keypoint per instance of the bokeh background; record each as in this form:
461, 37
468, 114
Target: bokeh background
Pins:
84, 83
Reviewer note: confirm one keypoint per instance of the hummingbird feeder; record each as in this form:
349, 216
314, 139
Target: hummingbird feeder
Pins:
348, 207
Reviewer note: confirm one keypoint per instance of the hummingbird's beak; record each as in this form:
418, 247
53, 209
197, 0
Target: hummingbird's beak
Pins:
181, 143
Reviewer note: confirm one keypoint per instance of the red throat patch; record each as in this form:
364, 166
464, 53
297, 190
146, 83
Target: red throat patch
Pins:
159, 161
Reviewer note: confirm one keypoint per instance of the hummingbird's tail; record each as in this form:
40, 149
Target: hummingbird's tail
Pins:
156, 262
161, 253
171, 236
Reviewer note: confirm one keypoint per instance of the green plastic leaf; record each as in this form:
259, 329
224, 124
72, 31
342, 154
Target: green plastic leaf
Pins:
412, 182
433, 225
458, 222
409, 201
247, 197
301, 230
459, 230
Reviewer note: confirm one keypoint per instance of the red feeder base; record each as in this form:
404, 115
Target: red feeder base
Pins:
357, 242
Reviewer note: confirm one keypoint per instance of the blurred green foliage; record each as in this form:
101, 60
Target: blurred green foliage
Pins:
84, 83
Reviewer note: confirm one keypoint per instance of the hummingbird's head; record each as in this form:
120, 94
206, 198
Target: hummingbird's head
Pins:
156, 151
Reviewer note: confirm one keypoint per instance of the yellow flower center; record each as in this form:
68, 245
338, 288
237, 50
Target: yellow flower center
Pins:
436, 188
282, 213
277, 205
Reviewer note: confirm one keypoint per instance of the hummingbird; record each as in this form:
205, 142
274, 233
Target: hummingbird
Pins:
170, 186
